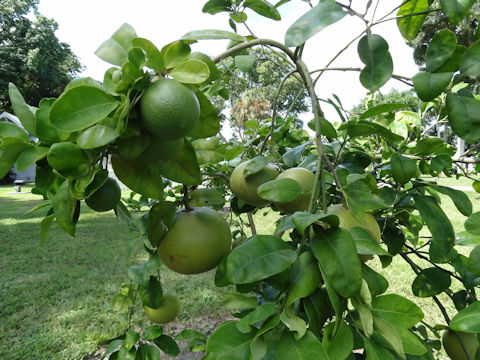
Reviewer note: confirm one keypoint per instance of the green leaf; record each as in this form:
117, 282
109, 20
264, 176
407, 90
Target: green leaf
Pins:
292, 156
245, 62
467, 320
64, 205
318, 308
227, 342
437, 222
167, 345
209, 122
304, 278
30, 156
148, 352
322, 15
403, 168
453, 62
460, 199
237, 302
191, 71
302, 220
261, 313
22, 109
254, 166
96, 136
144, 179
152, 332
382, 109
212, 35
464, 238
258, 258
472, 225
365, 243
151, 294
175, 53
125, 354
377, 284
456, 10
154, 57
122, 303
81, 107
45, 226
339, 343
464, 116
280, 190
46, 132
409, 26
441, 47
307, 348
397, 310
293, 322
8, 129
428, 86
65, 156
387, 335
160, 219
183, 168
131, 338
115, 50
263, 8
339, 261
430, 282
469, 65
375, 351
10, 153
373, 52
411, 343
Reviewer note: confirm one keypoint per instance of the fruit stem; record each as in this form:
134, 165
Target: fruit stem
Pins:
188, 208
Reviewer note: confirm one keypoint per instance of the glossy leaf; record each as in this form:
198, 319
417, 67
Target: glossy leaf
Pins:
304, 277
227, 342
397, 310
338, 259
30, 156
238, 302
21, 109
460, 199
456, 9
403, 168
409, 26
8, 129
160, 219
263, 8
280, 190
373, 52
64, 206
259, 257
307, 348
441, 47
96, 136
469, 65
175, 53
131, 338
191, 71
382, 109
472, 225
386, 334
115, 50
467, 320
261, 313
154, 57
66, 155
144, 179
183, 168
122, 303
430, 282
46, 132
322, 15
377, 284
464, 116
212, 35
152, 332
81, 107
209, 122
429, 85
365, 243
167, 345
437, 222
375, 351
151, 293
254, 166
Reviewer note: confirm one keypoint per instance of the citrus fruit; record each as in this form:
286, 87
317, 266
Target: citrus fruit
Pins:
246, 188
348, 221
106, 197
197, 241
306, 179
169, 110
167, 311
160, 149
453, 347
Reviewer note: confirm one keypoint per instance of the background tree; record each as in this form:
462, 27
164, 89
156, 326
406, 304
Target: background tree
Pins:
31, 56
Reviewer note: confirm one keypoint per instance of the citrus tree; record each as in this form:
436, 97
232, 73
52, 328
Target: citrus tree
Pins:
353, 192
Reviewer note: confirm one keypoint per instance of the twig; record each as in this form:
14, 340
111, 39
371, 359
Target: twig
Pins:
251, 223
188, 208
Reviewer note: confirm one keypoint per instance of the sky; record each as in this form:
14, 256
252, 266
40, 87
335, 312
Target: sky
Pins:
84, 25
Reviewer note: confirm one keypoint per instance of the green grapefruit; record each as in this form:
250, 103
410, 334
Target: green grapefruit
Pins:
198, 240
246, 188
166, 312
306, 179
169, 110
106, 197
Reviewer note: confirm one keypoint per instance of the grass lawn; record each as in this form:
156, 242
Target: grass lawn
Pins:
55, 300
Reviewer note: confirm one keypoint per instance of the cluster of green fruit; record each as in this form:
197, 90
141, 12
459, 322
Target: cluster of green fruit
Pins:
246, 189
